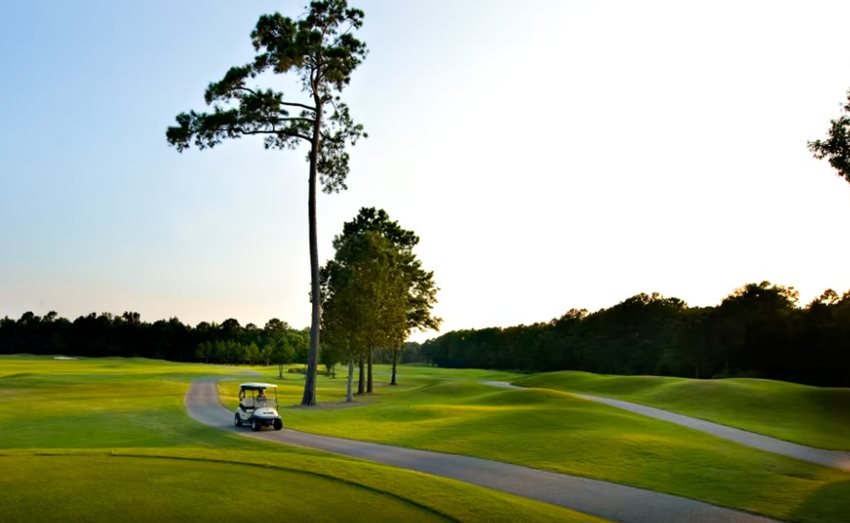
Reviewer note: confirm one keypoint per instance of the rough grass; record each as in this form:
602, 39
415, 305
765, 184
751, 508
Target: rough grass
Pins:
552, 430
815, 416
109, 439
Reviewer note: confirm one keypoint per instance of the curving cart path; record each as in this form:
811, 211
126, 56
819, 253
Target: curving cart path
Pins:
608, 500
829, 458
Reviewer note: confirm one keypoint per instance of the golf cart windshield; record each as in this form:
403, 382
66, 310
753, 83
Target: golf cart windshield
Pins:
253, 397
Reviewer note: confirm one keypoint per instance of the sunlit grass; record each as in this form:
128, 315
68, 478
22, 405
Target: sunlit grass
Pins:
102, 488
552, 430
115, 406
97, 403
109, 440
816, 416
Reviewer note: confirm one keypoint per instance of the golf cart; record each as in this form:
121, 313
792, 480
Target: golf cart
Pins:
255, 409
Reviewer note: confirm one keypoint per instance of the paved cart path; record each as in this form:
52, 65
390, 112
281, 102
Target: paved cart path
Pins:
608, 500
830, 458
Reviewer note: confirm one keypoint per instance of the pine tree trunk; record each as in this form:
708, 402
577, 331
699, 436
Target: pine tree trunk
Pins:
349, 397
309, 397
361, 384
369, 382
395, 361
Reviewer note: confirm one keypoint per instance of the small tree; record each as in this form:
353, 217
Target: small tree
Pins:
375, 290
281, 354
421, 290
331, 355
836, 148
364, 298
252, 353
266, 354
299, 340
323, 53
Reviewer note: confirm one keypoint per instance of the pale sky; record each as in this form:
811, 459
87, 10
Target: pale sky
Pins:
550, 155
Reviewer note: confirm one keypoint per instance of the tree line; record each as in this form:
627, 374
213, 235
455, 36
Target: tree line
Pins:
126, 335
757, 331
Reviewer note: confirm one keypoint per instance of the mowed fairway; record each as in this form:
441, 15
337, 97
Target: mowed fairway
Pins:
109, 440
815, 416
82, 486
450, 411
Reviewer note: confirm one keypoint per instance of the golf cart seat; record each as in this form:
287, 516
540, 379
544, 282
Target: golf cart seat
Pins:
246, 404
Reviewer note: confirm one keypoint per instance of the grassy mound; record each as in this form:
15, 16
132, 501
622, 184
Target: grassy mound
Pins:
552, 430
815, 416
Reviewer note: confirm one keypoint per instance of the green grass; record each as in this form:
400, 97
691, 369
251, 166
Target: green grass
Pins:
109, 439
104, 487
104, 416
815, 416
448, 411
97, 403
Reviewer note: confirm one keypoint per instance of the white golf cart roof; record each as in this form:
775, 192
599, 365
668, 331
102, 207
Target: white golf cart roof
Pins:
257, 386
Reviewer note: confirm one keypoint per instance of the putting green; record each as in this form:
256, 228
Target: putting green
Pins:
449, 411
814, 416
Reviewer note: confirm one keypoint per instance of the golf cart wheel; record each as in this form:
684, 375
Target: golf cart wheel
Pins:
255, 426
278, 424
237, 420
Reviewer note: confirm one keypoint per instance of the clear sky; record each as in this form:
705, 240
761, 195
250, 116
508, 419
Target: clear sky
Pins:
550, 154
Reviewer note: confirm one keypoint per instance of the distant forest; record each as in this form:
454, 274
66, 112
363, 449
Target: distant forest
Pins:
126, 335
757, 331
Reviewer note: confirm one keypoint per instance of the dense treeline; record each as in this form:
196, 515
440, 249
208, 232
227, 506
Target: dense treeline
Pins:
757, 331
126, 335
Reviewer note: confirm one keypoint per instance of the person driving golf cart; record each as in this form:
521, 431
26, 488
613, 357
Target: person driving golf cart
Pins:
256, 409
